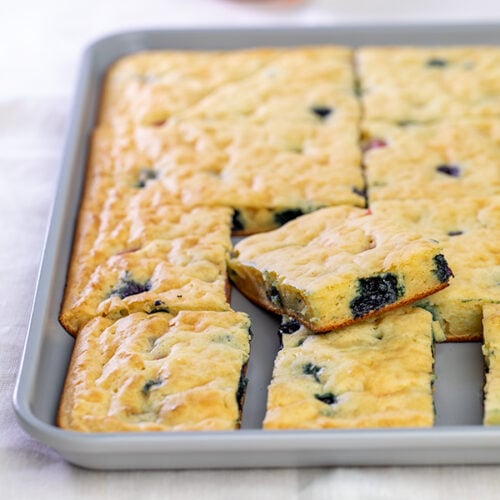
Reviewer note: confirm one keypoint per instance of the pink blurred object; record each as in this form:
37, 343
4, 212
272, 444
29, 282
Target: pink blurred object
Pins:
283, 3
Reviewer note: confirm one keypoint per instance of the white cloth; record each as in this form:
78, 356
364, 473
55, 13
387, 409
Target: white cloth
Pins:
40, 47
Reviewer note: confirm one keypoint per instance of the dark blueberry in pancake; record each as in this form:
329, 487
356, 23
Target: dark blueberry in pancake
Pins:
375, 292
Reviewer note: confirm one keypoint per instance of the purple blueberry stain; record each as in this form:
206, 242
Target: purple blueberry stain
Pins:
128, 286
451, 170
322, 112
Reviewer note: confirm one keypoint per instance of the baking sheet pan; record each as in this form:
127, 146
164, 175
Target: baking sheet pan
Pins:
458, 436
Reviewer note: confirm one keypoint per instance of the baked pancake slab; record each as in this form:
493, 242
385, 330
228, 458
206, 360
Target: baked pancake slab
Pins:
468, 230
169, 276
377, 373
149, 88
425, 84
266, 170
157, 372
135, 252
336, 266
452, 159
270, 133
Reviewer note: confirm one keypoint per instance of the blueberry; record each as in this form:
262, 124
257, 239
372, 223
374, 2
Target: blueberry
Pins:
327, 398
145, 175
436, 63
285, 216
322, 112
237, 223
150, 383
458, 232
290, 326
311, 369
159, 306
450, 170
374, 293
274, 296
442, 270
240, 393
128, 286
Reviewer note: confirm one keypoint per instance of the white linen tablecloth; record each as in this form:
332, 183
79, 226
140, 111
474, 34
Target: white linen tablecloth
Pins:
40, 47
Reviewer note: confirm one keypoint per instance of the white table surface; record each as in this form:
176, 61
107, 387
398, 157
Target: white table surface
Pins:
40, 47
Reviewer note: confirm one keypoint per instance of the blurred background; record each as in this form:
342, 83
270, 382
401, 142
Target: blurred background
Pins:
40, 40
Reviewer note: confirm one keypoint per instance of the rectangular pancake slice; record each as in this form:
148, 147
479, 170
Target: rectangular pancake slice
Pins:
336, 266
181, 274
148, 88
467, 229
134, 251
377, 373
272, 138
157, 372
491, 351
425, 84
453, 159
265, 170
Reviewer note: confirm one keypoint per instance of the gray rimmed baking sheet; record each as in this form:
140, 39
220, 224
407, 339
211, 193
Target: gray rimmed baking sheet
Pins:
458, 436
